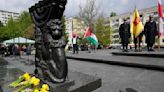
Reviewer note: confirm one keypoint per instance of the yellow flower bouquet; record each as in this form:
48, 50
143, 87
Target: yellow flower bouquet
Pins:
24, 77
26, 83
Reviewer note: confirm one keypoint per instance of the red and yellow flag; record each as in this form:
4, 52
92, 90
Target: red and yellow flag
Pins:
136, 24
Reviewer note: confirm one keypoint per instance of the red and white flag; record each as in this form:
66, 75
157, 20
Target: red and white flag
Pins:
160, 11
160, 8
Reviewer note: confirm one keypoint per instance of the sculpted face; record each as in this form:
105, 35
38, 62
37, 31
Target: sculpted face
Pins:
55, 29
56, 34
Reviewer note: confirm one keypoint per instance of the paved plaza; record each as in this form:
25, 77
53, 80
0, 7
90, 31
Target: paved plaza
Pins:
115, 78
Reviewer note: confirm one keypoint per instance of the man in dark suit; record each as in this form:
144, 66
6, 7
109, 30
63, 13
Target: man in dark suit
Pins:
124, 32
150, 31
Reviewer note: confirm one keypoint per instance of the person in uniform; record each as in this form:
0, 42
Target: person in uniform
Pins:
124, 32
150, 31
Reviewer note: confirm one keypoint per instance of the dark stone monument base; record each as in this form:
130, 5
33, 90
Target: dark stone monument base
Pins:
61, 87
84, 82
76, 82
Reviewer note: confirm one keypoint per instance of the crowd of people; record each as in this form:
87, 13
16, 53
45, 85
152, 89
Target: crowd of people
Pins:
150, 32
15, 49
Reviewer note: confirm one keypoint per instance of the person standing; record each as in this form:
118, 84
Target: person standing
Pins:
124, 32
75, 45
139, 41
28, 50
150, 31
1, 90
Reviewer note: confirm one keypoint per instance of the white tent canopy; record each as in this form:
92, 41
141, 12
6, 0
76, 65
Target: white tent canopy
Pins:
18, 40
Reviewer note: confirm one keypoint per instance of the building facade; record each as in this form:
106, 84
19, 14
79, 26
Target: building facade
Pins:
6, 15
74, 26
116, 21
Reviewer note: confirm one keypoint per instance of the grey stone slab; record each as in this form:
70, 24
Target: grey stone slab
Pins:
2, 62
84, 82
61, 87
118, 78
142, 54
130, 61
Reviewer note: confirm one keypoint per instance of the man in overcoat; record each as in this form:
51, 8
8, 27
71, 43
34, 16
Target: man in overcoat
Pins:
150, 31
124, 32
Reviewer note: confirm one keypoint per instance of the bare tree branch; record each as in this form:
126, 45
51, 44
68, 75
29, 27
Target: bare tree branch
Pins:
89, 12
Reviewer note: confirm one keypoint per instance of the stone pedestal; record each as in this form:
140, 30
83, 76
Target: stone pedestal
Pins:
61, 87
84, 82
76, 81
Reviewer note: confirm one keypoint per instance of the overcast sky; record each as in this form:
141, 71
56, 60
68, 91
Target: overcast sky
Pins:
72, 8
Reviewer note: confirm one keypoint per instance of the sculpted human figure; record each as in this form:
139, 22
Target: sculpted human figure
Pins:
50, 60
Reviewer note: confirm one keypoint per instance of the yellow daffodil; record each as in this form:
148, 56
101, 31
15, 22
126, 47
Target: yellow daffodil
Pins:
43, 90
28, 83
32, 80
45, 86
35, 81
26, 76
36, 90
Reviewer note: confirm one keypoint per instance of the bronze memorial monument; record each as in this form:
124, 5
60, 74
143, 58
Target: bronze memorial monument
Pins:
50, 59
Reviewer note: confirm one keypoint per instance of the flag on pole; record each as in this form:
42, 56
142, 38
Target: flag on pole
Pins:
160, 18
136, 24
91, 37
160, 8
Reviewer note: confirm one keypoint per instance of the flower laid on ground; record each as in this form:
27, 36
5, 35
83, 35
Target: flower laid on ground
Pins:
33, 82
45, 88
24, 77
36, 90
26, 83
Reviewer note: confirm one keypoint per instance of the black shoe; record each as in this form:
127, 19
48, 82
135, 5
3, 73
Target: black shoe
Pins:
151, 50
126, 51
148, 50
140, 50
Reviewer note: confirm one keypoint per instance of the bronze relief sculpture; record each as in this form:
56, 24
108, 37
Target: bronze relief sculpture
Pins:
50, 59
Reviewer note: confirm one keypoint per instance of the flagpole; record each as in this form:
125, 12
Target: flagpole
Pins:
160, 25
72, 32
159, 34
